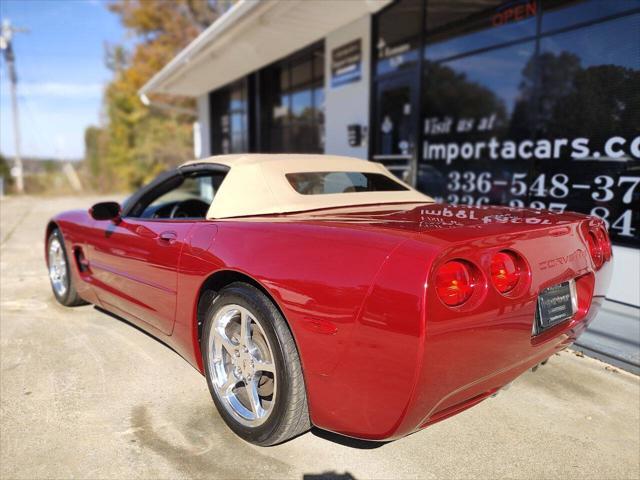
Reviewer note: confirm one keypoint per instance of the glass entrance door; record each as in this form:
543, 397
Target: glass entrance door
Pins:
394, 126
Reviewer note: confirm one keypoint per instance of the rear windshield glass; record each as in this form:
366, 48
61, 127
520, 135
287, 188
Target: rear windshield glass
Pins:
318, 183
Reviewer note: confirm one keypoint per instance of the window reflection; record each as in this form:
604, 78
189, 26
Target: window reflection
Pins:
528, 103
567, 103
481, 86
296, 120
589, 81
398, 40
228, 107
475, 100
302, 105
565, 13
589, 90
454, 28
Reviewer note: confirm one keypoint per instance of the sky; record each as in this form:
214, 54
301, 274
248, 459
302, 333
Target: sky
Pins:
61, 74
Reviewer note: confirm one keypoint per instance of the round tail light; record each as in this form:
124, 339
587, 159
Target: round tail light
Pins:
594, 249
604, 243
455, 283
505, 271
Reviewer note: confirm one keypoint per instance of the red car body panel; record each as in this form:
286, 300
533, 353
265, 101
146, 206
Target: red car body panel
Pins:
382, 355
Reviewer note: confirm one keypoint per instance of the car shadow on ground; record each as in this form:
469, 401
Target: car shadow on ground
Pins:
133, 325
328, 476
346, 441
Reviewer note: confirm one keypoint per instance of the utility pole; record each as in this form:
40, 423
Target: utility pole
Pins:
6, 46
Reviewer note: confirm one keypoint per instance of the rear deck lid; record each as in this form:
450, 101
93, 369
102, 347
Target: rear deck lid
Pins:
443, 221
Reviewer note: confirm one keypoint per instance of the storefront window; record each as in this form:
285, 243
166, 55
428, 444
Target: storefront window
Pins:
566, 13
296, 120
590, 96
398, 41
454, 28
229, 129
527, 103
475, 109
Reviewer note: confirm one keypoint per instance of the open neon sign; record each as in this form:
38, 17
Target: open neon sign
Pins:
513, 12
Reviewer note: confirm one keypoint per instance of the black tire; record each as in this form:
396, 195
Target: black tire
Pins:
70, 297
289, 416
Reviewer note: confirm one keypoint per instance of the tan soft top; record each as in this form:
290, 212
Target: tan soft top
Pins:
256, 184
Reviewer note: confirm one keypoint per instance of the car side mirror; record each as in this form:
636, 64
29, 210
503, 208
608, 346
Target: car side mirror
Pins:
105, 211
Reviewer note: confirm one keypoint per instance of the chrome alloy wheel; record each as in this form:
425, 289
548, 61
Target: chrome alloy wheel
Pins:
242, 364
57, 267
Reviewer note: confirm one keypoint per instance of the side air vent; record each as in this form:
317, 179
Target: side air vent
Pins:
81, 261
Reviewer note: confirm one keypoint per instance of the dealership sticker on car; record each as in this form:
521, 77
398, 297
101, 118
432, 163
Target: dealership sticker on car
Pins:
556, 304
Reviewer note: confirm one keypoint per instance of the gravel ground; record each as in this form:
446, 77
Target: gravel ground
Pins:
85, 395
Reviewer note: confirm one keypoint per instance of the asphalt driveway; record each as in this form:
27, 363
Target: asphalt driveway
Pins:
85, 395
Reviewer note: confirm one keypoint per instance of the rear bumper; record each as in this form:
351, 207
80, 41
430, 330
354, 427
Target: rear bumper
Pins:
456, 375
430, 404
470, 395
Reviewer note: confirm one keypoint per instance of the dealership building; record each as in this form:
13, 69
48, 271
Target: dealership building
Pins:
527, 103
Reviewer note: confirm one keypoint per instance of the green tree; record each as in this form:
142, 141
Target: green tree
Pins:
137, 141
451, 93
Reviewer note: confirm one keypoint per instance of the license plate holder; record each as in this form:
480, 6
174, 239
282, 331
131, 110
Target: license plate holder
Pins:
555, 305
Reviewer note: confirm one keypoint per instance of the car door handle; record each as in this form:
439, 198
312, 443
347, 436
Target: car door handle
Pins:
168, 237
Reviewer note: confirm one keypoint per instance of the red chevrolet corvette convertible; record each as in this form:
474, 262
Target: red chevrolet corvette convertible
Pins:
319, 290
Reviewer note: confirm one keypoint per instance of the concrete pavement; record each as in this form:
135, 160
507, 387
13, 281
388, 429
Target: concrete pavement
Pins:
85, 395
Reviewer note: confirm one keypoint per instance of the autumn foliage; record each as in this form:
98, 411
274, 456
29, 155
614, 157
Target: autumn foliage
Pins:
136, 142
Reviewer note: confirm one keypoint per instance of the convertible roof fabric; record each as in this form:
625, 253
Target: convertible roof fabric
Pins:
256, 184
